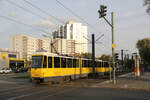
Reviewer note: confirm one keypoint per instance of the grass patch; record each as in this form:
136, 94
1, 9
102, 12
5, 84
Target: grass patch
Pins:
22, 77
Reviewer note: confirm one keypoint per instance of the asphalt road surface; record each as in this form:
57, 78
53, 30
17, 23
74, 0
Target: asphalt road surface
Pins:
46, 92
22, 89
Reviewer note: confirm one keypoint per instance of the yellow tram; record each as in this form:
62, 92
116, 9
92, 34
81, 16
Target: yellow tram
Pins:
45, 66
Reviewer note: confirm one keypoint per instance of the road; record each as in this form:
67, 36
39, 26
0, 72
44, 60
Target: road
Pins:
22, 89
70, 93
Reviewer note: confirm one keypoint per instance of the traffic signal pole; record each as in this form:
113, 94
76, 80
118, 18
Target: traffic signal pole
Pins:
102, 14
113, 49
113, 46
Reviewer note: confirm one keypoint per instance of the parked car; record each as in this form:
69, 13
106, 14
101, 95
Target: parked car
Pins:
5, 70
20, 70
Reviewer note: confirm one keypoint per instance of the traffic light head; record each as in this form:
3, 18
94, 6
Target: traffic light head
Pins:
116, 56
102, 11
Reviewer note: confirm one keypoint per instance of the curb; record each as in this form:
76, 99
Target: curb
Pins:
124, 75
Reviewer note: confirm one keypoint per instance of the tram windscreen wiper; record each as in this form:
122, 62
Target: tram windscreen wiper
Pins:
37, 61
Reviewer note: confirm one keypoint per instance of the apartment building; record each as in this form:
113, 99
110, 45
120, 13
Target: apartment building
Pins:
27, 45
74, 31
64, 46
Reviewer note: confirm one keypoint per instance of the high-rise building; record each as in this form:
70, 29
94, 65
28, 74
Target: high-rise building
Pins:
75, 31
64, 46
27, 45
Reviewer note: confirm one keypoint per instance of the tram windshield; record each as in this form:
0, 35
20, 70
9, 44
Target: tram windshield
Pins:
37, 61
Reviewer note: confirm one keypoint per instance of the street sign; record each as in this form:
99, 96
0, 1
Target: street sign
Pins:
114, 45
3, 56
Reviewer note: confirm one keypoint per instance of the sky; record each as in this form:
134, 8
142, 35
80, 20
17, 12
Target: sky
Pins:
131, 22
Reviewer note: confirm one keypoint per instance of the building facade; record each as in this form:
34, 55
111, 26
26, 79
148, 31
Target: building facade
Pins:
64, 46
5, 55
27, 45
74, 31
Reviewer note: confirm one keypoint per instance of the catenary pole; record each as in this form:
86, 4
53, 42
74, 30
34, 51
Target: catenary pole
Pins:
93, 54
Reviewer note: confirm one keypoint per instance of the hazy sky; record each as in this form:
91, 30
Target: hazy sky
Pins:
131, 20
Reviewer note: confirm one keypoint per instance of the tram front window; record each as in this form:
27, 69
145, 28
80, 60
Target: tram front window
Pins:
37, 61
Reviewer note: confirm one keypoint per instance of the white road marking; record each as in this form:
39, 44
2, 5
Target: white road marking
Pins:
6, 82
19, 90
12, 88
56, 93
13, 98
21, 96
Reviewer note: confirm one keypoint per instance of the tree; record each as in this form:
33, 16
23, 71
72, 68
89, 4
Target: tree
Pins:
143, 46
106, 57
147, 3
86, 55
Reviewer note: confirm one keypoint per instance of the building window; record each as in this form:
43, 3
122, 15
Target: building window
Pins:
11, 56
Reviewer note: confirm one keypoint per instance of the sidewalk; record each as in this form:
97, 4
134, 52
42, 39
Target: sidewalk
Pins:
128, 81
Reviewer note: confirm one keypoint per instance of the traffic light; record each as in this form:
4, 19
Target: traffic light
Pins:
102, 11
116, 56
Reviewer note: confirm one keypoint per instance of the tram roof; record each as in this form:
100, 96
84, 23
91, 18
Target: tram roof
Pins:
56, 55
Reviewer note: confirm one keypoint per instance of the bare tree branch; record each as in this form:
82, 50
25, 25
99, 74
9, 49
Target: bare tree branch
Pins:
147, 3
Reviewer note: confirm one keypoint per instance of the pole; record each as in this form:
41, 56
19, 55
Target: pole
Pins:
110, 69
113, 45
138, 66
113, 49
61, 45
122, 58
93, 54
135, 67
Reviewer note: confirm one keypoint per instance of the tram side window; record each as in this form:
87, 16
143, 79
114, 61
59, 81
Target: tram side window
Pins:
104, 64
49, 62
96, 63
100, 64
111, 65
56, 62
89, 63
107, 65
69, 63
82, 63
63, 62
45, 62
85, 63
74, 63
77, 63
92, 63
